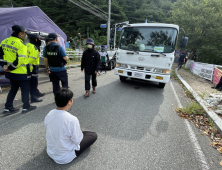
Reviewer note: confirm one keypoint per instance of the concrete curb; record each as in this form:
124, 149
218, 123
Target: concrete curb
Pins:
215, 118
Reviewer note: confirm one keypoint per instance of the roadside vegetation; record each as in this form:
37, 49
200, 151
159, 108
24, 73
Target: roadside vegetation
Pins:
195, 113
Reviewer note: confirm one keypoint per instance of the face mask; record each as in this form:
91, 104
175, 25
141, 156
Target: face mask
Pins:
89, 46
26, 37
38, 43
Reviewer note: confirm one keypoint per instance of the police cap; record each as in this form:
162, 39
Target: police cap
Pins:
34, 36
53, 36
19, 28
47, 40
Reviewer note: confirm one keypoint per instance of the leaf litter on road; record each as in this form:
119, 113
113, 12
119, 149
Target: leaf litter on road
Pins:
201, 121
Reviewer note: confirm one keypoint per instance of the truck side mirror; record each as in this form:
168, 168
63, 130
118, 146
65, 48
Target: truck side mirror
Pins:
183, 42
112, 32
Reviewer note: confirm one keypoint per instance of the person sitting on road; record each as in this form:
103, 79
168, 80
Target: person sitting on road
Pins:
65, 140
104, 58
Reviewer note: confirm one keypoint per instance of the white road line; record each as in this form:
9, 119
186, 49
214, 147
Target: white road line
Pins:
199, 153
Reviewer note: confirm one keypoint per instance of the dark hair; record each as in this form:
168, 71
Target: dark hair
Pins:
63, 96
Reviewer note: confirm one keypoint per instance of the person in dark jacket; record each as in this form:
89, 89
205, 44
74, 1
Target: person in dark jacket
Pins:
181, 60
55, 59
90, 63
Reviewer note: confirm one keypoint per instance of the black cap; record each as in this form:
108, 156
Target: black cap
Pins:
34, 36
53, 36
18, 28
47, 40
102, 46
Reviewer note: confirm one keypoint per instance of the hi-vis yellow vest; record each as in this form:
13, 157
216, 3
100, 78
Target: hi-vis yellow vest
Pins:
33, 55
14, 49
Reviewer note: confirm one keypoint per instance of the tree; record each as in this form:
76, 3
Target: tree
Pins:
73, 20
202, 21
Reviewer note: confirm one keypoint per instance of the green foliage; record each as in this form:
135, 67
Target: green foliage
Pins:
73, 20
202, 21
193, 108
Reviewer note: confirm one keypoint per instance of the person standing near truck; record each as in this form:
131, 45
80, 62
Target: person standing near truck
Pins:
104, 58
90, 64
181, 60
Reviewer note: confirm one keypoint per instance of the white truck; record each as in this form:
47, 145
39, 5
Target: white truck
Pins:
146, 52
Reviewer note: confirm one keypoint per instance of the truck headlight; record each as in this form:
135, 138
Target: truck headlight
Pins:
158, 70
118, 64
167, 71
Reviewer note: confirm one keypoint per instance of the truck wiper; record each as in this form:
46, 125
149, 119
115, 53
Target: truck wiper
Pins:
133, 51
155, 52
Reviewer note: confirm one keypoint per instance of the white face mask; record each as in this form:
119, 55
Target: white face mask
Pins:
26, 37
89, 46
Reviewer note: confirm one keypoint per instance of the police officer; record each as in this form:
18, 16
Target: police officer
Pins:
16, 66
90, 64
33, 55
55, 59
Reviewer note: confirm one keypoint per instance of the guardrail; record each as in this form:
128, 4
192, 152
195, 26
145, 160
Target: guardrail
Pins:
74, 54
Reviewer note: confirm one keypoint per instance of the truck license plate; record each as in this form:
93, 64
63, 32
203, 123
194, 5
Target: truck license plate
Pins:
138, 75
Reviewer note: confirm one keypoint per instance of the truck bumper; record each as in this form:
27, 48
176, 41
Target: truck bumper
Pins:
148, 76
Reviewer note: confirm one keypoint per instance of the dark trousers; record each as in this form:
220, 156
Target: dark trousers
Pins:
219, 85
87, 80
103, 66
25, 88
33, 86
55, 77
88, 139
180, 64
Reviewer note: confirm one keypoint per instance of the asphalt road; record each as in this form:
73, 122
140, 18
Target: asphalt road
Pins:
135, 121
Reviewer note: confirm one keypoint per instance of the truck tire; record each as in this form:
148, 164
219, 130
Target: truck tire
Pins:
110, 65
122, 78
162, 85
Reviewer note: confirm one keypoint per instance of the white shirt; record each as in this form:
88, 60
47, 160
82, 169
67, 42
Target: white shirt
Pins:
63, 135
103, 53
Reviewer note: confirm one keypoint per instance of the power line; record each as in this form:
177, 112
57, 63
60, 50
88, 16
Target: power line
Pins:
94, 9
87, 9
97, 7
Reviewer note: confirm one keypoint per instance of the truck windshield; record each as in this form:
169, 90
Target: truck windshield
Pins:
148, 39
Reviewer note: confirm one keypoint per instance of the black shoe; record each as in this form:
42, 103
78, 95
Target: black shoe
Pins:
10, 111
29, 109
213, 87
40, 95
219, 89
35, 100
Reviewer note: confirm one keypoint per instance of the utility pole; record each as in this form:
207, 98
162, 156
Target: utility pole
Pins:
108, 25
11, 3
115, 37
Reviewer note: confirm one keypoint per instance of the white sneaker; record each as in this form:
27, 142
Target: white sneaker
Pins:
99, 73
104, 72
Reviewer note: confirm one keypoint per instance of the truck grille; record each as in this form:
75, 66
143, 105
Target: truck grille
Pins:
140, 68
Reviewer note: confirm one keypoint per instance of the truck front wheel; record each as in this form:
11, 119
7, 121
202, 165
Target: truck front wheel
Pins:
122, 78
162, 85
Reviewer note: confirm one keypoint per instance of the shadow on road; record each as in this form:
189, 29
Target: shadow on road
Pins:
117, 109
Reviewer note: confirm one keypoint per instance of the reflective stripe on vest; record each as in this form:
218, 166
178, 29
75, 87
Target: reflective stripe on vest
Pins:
32, 57
35, 75
9, 46
11, 64
22, 55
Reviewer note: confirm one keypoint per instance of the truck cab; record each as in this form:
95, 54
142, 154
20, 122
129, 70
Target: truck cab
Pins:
146, 52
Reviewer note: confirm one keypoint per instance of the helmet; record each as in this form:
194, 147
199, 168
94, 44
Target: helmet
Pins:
90, 41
